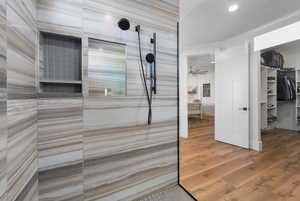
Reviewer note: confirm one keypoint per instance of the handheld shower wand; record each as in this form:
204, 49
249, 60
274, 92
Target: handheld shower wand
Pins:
153, 41
124, 25
148, 94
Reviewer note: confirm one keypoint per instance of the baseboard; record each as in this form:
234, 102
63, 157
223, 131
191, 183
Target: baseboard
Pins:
256, 145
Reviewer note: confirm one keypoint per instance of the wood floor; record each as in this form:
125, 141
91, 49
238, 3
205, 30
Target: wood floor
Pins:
214, 171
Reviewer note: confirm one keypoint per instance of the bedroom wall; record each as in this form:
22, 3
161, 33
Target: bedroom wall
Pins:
93, 148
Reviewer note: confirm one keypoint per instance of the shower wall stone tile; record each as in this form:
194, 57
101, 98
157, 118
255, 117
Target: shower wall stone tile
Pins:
60, 149
22, 154
121, 153
107, 152
21, 54
119, 160
22, 139
3, 102
60, 16
60, 124
3, 147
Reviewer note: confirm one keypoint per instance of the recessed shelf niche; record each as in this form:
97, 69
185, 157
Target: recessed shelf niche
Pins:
60, 64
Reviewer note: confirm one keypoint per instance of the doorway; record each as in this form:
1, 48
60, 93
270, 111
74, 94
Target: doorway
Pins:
201, 94
218, 125
230, 93
280, 93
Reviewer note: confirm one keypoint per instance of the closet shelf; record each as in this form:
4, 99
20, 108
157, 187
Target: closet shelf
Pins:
61, 81
269, 95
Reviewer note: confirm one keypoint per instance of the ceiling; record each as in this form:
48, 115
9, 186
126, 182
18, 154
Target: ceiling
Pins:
208, 21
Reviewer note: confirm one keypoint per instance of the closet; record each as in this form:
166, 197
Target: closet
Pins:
280, 87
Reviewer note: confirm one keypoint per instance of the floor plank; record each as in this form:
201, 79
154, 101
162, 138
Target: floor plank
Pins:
215, 171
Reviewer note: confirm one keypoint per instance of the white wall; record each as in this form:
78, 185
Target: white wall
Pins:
183, 97
292, 59
291, 54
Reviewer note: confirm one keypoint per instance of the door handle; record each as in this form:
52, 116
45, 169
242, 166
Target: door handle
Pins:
244, 109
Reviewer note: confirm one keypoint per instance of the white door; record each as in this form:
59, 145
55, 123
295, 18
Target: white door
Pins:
232, 96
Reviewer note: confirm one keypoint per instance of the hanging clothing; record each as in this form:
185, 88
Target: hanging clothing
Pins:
286, 89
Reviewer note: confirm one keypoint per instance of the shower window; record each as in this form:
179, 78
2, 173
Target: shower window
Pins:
106, 68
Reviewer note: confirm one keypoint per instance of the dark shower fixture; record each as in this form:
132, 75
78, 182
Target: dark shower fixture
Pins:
124, 24
153, 41
150, 58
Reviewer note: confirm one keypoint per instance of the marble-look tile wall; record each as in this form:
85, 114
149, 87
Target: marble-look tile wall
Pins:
60, 146
100, 149
3, 102
21, 160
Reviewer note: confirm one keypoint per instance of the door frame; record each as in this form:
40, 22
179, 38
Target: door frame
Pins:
183, 80
254, 80
269, 38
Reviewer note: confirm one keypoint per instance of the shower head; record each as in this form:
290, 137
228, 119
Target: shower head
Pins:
150, 58
124, 24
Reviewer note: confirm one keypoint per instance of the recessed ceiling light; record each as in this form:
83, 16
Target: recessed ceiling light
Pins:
233, 8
